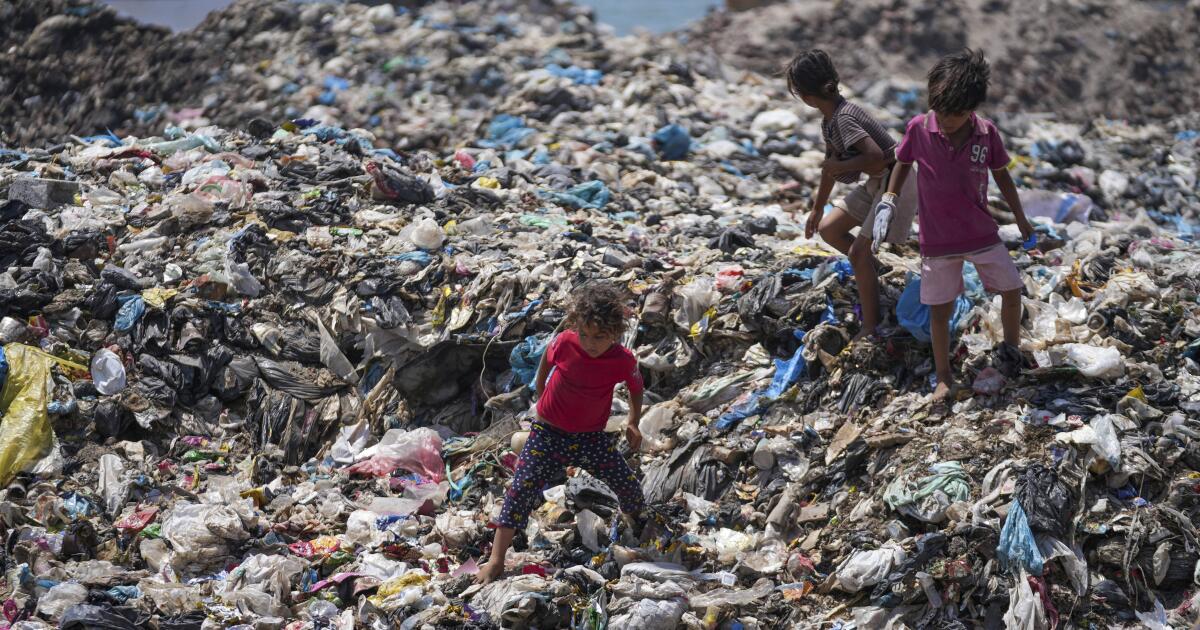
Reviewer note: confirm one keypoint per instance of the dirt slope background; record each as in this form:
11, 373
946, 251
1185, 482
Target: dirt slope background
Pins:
1075, 59
74, 67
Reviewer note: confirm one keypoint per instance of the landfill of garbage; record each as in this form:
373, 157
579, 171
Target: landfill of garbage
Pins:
269, 365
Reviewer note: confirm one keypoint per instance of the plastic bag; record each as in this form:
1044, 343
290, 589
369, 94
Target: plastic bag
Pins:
202, 533
60, 597
131, 311
654, 424
1108, 443
108, 482
1017, 548
649, 614
869, 567
427, 234
525, 358
988, 382
730, 597
108, 373
1025, 611
418, 451
25, 432
914, 316
729, 279
672, 142
1094, 362
698, 297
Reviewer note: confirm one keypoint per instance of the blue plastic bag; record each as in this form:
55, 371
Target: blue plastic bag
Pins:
505, 132
672, 142
914, 316
579, 75
525, 358
131, 311
3, 368
1017, 546
592, 195
787, 372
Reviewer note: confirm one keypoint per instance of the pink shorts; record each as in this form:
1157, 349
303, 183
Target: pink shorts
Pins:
942, 277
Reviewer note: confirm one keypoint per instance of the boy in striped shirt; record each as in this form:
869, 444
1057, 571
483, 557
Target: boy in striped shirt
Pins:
855, 143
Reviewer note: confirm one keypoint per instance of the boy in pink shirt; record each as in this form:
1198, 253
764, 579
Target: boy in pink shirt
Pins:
574, 403
955, 150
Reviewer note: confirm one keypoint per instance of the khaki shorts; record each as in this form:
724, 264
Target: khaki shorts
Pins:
859, 202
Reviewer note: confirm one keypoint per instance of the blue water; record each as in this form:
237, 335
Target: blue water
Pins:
655, 16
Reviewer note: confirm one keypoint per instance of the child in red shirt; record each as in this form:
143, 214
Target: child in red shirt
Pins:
576, 379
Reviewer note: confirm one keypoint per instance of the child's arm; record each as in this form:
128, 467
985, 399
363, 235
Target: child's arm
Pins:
543, 371
1009, 190
899, 175
633, 434
870, 159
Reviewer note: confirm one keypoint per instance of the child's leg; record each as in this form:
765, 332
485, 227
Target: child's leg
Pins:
600, 457
1010, 316
939, 331
541, 463
835, 229
867, 280
941, 283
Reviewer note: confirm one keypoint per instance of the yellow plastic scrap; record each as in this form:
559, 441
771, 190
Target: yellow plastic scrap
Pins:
1137, 393
439, 311
701, 327
158, 296
25, 433
393, 586
809, 250
488, 182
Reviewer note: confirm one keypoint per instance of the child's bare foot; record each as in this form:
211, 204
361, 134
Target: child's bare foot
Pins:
489, 571
939, 403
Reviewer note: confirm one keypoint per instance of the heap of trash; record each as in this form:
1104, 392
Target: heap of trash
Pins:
276, 373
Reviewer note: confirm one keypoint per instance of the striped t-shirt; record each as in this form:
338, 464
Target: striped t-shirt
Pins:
849, 124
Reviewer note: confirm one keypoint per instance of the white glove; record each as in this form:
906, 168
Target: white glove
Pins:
884, 211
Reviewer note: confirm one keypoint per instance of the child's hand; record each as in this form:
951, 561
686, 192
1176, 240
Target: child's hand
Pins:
633, 435
814, 222
1025, 227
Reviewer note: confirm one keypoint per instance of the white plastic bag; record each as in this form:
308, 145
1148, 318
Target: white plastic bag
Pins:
1025, 610
1095, 362
60, 597
108, 373
427, 234
868, 567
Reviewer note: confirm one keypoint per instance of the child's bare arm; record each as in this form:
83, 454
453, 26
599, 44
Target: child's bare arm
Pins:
1009, 191
870, 159
818, 204
635, 407
542, 373
899, 176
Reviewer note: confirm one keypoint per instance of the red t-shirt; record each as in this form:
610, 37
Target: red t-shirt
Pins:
579, 391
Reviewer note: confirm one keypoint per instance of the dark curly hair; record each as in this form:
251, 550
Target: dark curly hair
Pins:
959, 82
599, 304
812, 73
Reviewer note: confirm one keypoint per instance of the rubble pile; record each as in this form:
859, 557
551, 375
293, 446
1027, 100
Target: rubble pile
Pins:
1044, 55
267, 362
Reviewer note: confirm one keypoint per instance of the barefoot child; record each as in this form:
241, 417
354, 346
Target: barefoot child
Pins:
572, 411
954, 150
855, 143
